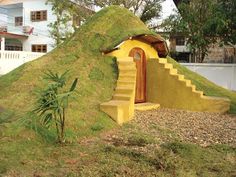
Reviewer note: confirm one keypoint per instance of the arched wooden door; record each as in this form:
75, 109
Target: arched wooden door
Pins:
140, 59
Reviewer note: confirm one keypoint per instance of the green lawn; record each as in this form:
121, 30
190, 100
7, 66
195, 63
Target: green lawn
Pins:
127, 151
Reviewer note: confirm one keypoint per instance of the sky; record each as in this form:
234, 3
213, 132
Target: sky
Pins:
168, 7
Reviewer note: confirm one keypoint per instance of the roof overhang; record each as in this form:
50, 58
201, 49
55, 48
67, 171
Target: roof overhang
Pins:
156, 41
13, 36
10, 2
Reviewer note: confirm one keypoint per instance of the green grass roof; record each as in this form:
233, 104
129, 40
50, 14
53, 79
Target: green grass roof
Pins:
81, 55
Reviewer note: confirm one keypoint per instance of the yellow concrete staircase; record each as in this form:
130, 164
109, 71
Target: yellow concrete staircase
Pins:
121, 107
170, 89
173, 72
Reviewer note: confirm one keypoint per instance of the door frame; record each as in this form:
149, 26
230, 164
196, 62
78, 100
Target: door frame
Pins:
144, 66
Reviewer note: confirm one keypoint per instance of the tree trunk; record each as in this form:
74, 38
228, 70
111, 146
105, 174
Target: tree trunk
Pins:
203, 54
57, 127
63, 125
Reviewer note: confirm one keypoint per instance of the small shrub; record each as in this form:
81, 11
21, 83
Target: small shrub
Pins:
52, 103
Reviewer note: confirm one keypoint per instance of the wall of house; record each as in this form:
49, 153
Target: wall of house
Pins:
3, 17
125, 48
41, 35
224, 54
11, 14
41, 31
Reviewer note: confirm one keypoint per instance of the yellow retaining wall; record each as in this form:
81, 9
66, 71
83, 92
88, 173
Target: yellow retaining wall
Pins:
121, 107
125, 48
171, 90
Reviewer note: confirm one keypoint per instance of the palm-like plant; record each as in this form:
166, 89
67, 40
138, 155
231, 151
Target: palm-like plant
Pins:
52, 102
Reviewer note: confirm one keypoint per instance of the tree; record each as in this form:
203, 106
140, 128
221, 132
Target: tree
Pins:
227, 13
65, 10
52, 103
199, 22
147, 10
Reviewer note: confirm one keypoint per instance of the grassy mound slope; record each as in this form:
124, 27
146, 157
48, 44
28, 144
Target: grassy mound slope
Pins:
209, 88
82, 56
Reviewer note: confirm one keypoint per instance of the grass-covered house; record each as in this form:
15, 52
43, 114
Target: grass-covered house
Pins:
105, 43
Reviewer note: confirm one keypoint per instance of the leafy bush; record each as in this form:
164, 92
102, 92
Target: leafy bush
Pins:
52, 103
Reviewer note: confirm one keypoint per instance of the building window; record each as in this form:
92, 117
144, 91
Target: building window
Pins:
180, 41
13, 45
39, 48
13, 48
38, 16
137, 56
18, 21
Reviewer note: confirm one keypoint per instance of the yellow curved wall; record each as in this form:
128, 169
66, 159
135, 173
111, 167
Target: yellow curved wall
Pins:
125, 48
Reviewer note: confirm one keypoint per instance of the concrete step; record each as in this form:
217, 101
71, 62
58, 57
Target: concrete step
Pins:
181, 77
188, 82
124, 97
130, 66
146, 106
127, 77
167, 65
127, 71
124, 90
200, 93
116, 109
113, 103
194, 88
162, 60
173, 71
125, 83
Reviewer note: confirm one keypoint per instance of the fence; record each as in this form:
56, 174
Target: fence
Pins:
221, 74
10, 60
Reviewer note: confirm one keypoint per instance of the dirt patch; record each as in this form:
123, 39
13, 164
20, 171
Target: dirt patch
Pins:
196, 127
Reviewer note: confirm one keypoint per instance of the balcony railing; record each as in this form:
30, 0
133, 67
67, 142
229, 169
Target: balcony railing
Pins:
10, 60
26, 30
3, 28
20, 55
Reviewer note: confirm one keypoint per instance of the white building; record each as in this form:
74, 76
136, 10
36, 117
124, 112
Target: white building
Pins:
24, 25
24, 31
